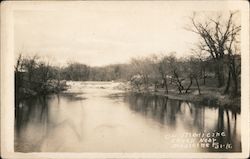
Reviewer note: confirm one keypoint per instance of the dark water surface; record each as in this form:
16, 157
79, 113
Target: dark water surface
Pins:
96, 117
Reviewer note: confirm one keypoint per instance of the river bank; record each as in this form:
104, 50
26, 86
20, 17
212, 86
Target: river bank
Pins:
208, 99
209, 96
30, 89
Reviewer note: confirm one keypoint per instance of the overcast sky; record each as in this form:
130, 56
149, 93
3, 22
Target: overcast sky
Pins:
103, 33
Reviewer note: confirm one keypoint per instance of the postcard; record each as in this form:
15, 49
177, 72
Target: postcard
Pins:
124, 79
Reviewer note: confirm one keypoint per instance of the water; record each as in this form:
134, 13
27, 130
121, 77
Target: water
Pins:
97, 117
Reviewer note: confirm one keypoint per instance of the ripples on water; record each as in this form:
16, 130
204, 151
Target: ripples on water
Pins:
94, 117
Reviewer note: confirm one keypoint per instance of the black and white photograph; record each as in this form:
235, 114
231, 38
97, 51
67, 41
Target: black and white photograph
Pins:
124, 79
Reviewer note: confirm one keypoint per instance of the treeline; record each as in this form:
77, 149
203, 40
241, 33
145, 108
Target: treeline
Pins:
80, 72
144, 74
33, 75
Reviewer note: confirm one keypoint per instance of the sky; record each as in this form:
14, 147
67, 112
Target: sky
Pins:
99, 34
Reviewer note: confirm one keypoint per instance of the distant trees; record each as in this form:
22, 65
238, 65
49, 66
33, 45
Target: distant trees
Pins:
76, 71
109, 73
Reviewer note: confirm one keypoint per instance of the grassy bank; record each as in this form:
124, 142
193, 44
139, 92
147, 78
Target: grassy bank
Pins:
210, 96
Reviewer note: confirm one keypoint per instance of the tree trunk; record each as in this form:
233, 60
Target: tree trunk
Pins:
190, 84
165, 85
155, 83
145, 82
138, 87
236, 87
228, 82
233, 73
198, 86
204, 76
220, 73
235, 80
178, 83
180, 90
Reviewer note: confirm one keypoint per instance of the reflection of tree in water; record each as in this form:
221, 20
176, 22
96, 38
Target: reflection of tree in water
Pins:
165, 110
192, 116
199, 117
228, 124
33, 110
33, 114
159, 108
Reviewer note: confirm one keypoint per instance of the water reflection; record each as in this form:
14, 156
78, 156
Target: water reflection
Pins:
43, 121
97, 121
31, 112
193, 117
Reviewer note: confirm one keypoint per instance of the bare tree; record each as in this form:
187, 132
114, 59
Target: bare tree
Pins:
234, 66
154, 76
30, 64
141, 67
203, 62
165, 69
217, 37
18, 77
176, 72
19, 63
193, 71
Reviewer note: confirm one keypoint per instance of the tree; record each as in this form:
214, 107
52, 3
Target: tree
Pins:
18, 77
233, 62
141, 67
76, 71
203, 63
30, 65
216, 37
176, 71
164, 69
154, 76
193, 72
